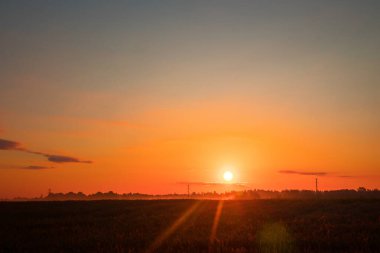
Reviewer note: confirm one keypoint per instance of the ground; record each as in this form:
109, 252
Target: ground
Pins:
191, 226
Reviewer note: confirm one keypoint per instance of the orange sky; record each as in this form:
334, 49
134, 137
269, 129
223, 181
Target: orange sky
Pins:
154, 99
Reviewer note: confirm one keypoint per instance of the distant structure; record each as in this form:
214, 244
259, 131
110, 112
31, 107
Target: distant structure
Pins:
361, 192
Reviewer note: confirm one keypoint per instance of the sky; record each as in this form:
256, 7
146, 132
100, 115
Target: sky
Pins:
139, 96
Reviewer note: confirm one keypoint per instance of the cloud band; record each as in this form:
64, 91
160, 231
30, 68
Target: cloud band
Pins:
12, 145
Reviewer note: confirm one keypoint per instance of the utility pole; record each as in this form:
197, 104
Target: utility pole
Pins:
316, 187
188, 190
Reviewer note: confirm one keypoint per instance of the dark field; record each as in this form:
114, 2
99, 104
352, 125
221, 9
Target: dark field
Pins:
186, 226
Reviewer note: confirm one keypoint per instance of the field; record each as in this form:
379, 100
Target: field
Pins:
191, 226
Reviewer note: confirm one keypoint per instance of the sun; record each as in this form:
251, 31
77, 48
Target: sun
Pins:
228, 176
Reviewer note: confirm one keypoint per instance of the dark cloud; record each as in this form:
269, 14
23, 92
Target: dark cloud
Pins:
9, 145
12, 145
304, 173
36, 167
64, 159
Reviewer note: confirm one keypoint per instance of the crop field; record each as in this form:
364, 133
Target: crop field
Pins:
191, 226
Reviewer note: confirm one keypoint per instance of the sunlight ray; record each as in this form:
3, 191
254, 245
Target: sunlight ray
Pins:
215, 223
170, 230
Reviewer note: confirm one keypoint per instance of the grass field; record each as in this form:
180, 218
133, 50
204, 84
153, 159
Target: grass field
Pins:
191, 226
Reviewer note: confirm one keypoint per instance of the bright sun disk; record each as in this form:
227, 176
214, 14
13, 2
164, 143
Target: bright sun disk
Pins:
228, 176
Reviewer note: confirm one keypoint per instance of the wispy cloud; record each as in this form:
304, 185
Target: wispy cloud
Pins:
315, 173
243, 185
305, 173
12, 145
345, 176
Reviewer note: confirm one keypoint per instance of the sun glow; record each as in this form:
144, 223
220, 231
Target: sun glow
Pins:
228, 176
